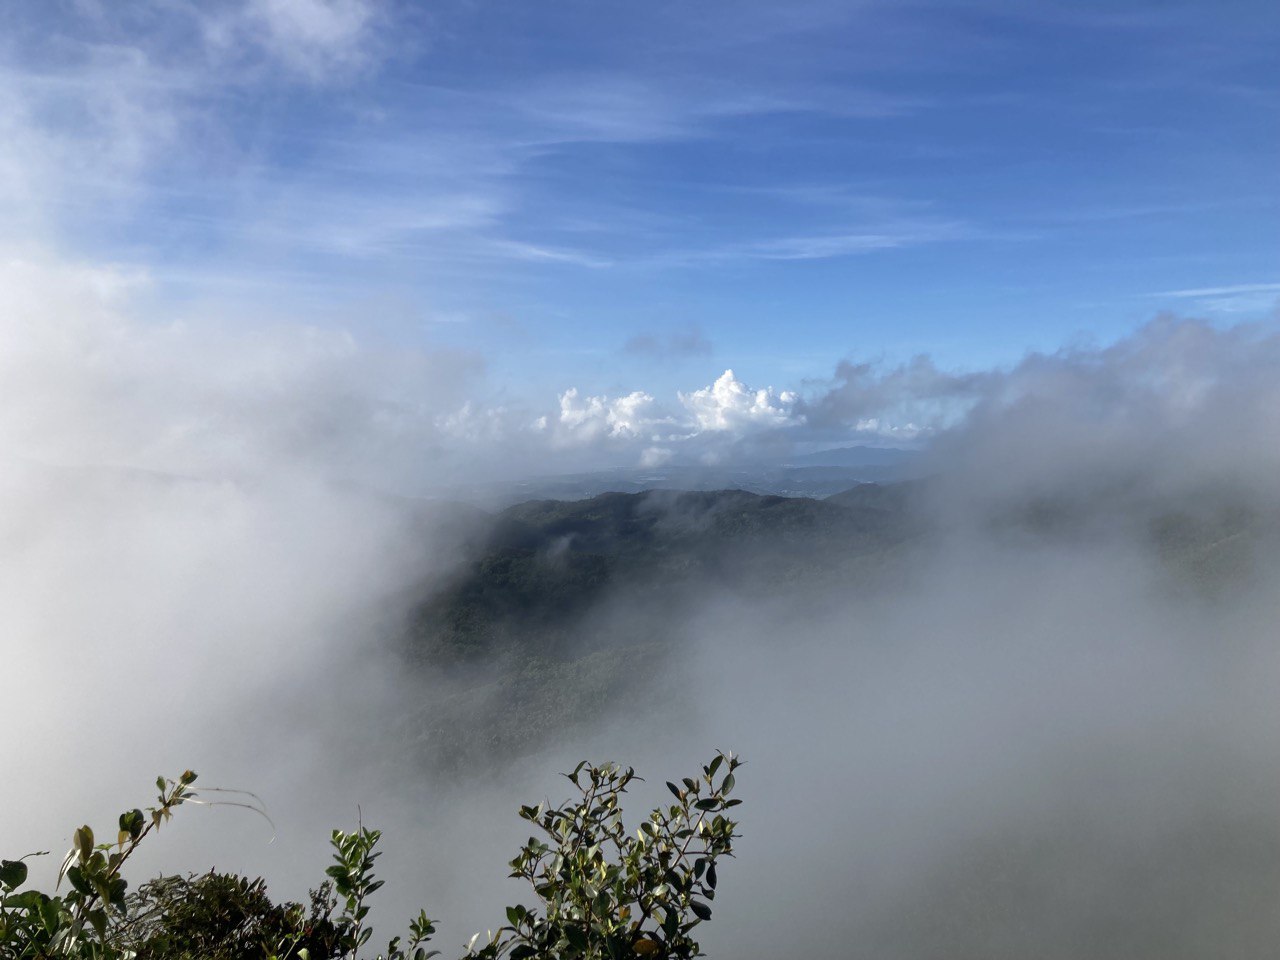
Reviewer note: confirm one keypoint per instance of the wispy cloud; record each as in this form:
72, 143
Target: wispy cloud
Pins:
1197, 292
647, 106
359, 143
319, 40
216, 105
821, 246
1230, 299
519, 250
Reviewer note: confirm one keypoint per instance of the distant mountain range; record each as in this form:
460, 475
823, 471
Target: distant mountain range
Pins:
817, 474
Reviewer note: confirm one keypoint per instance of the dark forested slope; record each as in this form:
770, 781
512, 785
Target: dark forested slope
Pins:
556, 611
546, 564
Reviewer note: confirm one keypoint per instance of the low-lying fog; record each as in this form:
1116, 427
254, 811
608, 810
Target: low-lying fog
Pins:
1037, 743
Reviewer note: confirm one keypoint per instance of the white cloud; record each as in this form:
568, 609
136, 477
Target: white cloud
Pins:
1177, 401
74, 137
97, 122
912, 399
1197, 292
474, 424
827, 246
730, 405
655, 456
85, 382
1233, 299
877, 234
640, 428
317, 39
886, 430
585, 420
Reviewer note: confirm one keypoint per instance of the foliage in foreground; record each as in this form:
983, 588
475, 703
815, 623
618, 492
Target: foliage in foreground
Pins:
600, 892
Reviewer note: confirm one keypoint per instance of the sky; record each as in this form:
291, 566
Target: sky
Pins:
623, 229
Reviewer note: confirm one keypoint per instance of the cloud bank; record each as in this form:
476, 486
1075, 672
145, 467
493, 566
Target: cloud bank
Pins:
87, 383
136, 387
205, 534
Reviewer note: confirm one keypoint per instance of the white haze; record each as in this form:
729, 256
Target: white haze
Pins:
199, 556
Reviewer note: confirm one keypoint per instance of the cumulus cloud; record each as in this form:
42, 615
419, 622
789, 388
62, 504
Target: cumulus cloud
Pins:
730, 405
706, 424
1112, 406
585, 420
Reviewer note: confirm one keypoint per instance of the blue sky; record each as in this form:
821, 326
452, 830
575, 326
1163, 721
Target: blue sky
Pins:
636, 197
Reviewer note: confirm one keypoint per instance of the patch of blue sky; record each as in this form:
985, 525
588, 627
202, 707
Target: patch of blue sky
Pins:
797, 182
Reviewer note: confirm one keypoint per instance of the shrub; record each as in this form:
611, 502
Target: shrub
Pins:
601, 892
221, 916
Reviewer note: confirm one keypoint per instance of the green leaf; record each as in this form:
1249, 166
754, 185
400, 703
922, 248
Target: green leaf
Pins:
13, 874
50, 913
577, 937
700, 910
84, 841
27, 900
727, 785
76, 878
132, 822
670, 923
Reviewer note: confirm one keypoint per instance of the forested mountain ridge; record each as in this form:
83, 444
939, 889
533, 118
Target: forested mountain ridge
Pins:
543, 563
557, 610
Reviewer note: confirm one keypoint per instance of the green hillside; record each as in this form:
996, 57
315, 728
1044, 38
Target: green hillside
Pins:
563, 610
547, 564
560, 613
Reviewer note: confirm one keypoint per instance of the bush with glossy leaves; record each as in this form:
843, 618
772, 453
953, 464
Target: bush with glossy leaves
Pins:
602, 893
